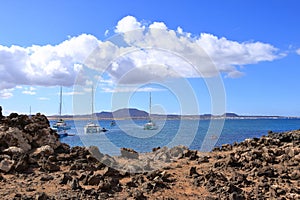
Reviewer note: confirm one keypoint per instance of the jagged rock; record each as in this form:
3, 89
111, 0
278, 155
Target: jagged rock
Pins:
6, 165
226, 147
138, 195
1, 116
95, 152
198, 181
138, 180
15, 137
13, 150
46, 177
191, 154
236, 196
162, 154
290, 152
231, 188
76, 166
238, 178
41, 196
75, 184
109, 184
276, 190
43, 151
147, 166
108, 171
155, 149
27, 133
266, 171
45, 136
129, 153
63, 157
50, 167
297, 158
22, 163
232, 161
63, 148
4, 156
65, 179
79, 152
151, 175
295, 175
177, 151
94, 179
108, 161
193, 172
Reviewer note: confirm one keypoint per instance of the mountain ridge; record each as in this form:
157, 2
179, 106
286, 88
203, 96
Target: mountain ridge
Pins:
134, 113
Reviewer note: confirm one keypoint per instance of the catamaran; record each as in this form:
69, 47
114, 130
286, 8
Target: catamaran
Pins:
60, 124
92, 127
150, 125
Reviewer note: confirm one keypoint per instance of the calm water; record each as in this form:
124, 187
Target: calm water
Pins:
191, 133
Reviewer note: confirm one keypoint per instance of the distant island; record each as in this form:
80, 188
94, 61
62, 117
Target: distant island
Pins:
133, 113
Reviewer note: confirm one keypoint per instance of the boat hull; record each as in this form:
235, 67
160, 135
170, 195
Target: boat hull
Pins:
150, 126
93, 128
61, 125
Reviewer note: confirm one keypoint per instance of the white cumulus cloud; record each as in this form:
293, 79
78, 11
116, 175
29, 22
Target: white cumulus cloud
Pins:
139, 53
154, 52
126, 24
226, 53
298, 51
44, 65
159, 25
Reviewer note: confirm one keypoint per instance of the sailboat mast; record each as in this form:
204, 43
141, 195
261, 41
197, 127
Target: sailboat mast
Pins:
92, 101
60, 101
150, 106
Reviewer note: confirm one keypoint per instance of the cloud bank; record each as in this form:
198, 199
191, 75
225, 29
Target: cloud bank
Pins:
139, 53
44, 65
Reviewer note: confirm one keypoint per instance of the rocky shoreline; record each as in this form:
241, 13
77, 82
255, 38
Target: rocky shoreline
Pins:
34, 164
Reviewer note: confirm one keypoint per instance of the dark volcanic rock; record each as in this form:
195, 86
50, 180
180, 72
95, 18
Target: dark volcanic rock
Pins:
50, 167
1, 116
129, 153
193, 172
41, 196
27, 133
6, 165
22, 163
75, 184
138, 195
46, 177
94, 179
65, 179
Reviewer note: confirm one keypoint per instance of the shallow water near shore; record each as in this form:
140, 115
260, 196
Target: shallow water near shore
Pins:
130, 134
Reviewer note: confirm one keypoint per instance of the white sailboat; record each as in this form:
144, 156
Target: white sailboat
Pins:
91, 126
150, 125
60, 124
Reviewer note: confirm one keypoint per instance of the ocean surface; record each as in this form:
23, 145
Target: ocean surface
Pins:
201, 135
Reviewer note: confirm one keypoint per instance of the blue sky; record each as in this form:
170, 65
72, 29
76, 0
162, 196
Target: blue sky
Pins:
254, 46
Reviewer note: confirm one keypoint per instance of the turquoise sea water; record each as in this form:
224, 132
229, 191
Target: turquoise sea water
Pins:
190, 133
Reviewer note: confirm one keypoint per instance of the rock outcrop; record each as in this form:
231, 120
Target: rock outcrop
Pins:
24, 140
26, 133
1, 116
